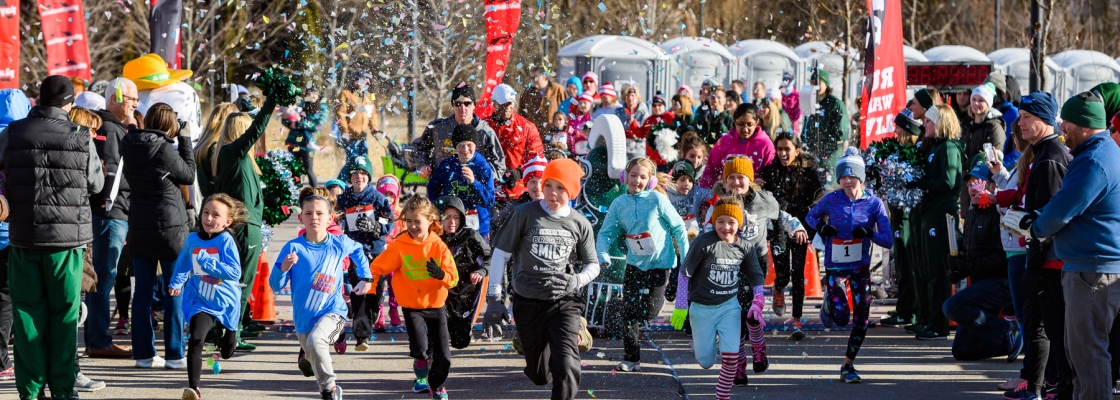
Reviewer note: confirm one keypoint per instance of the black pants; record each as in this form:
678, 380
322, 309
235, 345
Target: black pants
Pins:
308, 162
935, 287
644, 293
366, 308
790, 264
462, 301
5, 312
200, 326
427, 328
548, 330
1044, 329
123, 287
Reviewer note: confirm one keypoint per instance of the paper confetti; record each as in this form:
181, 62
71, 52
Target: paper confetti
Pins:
591, 391
602, 7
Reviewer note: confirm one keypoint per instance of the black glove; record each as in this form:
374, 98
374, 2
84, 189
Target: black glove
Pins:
826, 230
957, 268
861, 232
366, 225
1028, 219
912, 184
512, 177
433, 269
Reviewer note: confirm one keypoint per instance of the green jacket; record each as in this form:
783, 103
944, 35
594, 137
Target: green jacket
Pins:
710, 125
943, 179
204, 179
236, 176
826, 131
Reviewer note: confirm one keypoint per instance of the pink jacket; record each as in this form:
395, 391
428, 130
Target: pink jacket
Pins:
791, 103
575, 131
759, 148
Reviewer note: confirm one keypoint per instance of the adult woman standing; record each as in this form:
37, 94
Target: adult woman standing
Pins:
237, 174
774, 120
942, 186
207, 144
159, 225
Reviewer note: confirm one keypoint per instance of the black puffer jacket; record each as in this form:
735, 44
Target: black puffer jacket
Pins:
989, 130
158, 222
982, 248
471, 255
108, 145
795, 187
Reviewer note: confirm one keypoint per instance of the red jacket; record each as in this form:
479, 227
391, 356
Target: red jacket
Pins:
647, 127
518, 138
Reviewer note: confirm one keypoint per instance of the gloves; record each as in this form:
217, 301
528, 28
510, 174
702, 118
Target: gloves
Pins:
958, 269
561, 284
755, 312
1018, 222
861, 232
434, 271
365, 224
677, 320
826, 230
512, 177
496, 315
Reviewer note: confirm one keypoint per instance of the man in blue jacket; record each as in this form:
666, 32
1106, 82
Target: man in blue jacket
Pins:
1082, 218
468, 176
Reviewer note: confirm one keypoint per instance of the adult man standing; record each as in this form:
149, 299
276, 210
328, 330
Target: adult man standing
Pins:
51, 167
519, 140
1043, 309
1082, 220
110, 219
540, 101
434, 145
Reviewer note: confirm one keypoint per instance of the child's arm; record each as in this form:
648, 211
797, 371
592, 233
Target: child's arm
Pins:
385, 263
227, 263
813, 219
692, 260
883, 236
280, 276
183, 268
671, 219
608, 233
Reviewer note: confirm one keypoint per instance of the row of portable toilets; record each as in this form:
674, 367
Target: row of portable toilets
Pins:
691, 61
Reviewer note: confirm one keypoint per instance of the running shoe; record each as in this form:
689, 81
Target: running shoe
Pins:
627, 366
849, 374
441, 394
741, 381
797, 333
1016, 393
124, 328
334, 394
420, 385
584, 341
245, 346
362, 345
82, 383
914, 328
779, 305
305, 366
926, 334
761, 362
176, 364
340, 346
1014, 343
896, 320
192, 394
154, 362
8, 374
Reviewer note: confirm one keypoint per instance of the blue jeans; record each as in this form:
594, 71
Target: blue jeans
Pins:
108, 240
1016, 266
981, 332
143, 338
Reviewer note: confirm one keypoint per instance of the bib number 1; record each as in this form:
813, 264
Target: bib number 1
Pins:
846, 251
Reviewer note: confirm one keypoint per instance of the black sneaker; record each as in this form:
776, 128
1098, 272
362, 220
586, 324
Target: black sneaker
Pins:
914, 328
741, 381
779, 305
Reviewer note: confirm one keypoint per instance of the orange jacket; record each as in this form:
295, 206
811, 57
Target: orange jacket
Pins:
413, 286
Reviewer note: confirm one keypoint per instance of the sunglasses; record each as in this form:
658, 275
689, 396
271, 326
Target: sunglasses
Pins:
462, 103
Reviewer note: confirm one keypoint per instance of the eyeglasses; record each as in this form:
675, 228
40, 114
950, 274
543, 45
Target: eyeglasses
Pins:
462, 103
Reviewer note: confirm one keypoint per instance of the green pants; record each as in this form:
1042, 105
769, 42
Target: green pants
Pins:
248, 238
932, 272
46, 292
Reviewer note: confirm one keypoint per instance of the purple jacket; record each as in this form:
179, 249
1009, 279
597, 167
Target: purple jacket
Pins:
845, 214
791, 103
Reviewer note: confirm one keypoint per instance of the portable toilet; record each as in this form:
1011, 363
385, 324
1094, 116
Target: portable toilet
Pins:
695, 60
831, 60
951, 53
1086, 68
910, 54
1016, 62
619, 60
761, 60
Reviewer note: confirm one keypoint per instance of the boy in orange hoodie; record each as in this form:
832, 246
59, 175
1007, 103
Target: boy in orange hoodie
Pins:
426, 271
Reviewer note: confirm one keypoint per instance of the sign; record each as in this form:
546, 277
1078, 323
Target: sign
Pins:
947, 76
884, 89
64, 33
9, 44
502, 17
163, 28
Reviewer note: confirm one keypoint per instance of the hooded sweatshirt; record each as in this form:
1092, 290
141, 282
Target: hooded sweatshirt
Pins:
471, 253
14, 105
317, 277
758, 147
413, 286
351, 202
650, 225
845, 215
478, 197
210, 283
568, 106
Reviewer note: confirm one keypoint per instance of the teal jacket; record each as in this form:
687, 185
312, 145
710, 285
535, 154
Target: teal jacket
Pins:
634, 215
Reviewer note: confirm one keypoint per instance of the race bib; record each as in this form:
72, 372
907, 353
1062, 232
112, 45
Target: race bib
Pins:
640, 244
352, 214
690, 224
847, 251
472, 219
194, 260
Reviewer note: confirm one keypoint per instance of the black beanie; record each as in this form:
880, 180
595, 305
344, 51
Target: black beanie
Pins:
923, 98
463, 133
56, 91
908, 124
463, 90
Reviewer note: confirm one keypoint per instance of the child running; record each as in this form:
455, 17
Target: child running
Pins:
423, 270
369, 218
650, 225
546, 239
312, 262
207, 274
471, 252
853, 216
712, 274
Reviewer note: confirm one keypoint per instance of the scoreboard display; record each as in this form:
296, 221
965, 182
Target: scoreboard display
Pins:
947, 76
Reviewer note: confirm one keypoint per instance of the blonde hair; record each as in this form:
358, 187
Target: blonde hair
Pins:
645, 162
313, 193
85, 118
235, 125
211, 131
422, 206
947, 127
773, 117
238, 214
686, 103
631, 88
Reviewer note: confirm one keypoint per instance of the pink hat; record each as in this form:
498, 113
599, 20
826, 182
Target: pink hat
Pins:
534, 168
389, 184
587, 96
591, 75
686, 89
607, 90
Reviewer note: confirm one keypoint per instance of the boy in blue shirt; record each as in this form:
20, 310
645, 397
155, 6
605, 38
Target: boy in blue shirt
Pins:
468, 176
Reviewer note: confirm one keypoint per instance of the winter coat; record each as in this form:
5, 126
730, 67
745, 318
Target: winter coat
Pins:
845, 215
796, 187
1010, 115
758, 148
448, 180
236, 175
1048, 171
989, 130
518, 138
826, 130
471, 254
982, 253
406, 258
711, 126
374, 243
568, 106
942, 181
638, 216
303, 136
108, 143
791, 105
575, 133
155, 169
537, 105
14, 105
434, 145
1010, 194
606, 110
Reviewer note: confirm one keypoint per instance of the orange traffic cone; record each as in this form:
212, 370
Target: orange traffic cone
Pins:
264, 302
770, 274
812, 276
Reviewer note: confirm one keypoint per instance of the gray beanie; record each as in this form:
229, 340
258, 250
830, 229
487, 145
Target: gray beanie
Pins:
851, 164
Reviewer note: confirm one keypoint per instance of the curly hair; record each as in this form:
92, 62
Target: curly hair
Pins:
423, 207
238, 214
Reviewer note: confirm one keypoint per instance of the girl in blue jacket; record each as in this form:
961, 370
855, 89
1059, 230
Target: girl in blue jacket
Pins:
207, 274
650, 224
854, 216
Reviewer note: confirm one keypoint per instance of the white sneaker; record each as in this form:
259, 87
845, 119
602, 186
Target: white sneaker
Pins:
82, 383
154, 362
176, 364
627, 366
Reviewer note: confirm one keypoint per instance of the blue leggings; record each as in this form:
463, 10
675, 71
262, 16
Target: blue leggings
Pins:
859, 280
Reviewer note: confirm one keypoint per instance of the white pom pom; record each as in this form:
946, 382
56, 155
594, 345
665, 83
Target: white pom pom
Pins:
852, 151
666, 144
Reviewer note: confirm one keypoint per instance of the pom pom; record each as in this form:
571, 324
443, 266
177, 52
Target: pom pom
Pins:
279, 87
851, 151
890, 165
665, 141
280, 173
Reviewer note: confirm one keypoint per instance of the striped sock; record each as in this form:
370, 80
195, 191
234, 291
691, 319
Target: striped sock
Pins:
741, 367
726, 375
758, 338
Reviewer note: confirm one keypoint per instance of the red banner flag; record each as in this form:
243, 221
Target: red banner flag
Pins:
64, 31
884, 85
9, 44
502, 17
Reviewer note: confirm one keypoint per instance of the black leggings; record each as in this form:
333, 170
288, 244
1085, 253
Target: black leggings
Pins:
644, 292
308, 162
123, 288
791, 264
200, 326
427, 334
